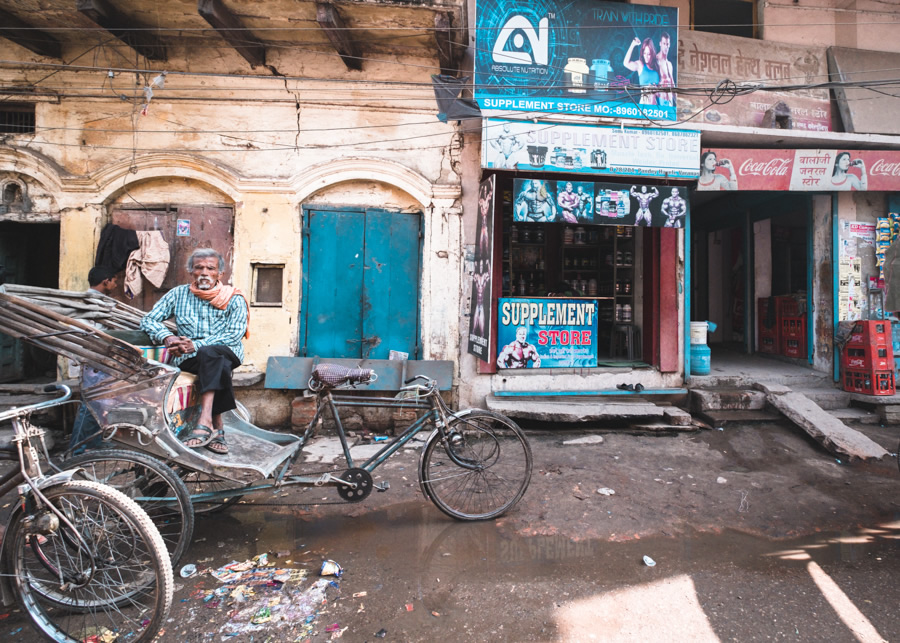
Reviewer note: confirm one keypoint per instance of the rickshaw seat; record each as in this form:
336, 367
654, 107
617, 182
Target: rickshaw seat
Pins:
182, 394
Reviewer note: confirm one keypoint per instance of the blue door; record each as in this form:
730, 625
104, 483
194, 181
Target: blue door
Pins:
361, 284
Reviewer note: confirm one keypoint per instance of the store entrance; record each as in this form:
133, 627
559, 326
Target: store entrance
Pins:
602, 263
750, 271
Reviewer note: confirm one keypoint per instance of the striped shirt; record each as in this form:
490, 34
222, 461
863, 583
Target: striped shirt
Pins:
199, 321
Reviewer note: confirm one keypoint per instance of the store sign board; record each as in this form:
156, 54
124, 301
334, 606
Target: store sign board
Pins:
590, 149
587, 203
480, 308
704, 59
576, 57
546, 333
800, 170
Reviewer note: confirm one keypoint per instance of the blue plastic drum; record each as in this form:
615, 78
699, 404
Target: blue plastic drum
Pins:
700, 359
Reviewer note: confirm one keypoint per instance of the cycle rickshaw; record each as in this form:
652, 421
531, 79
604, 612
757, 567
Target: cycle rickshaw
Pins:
474, 464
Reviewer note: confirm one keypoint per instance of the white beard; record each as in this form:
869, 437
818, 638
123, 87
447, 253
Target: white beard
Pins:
204, 284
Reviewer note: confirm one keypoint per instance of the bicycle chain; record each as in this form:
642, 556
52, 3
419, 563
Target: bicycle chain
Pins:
291, 504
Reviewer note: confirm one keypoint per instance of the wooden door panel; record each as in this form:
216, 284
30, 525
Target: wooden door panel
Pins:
210, 227
335, 275
390, 296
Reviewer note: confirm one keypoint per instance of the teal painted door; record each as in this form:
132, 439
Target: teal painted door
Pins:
361, 284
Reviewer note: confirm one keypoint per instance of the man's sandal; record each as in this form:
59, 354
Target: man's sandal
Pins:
217, 443
201, 434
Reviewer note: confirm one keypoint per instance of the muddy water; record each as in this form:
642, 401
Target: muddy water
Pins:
477, 581
427, 578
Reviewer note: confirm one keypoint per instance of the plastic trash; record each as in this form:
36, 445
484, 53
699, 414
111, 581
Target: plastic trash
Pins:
721, 480
605, 491
331, 568
649, 562
380, 634
188, 570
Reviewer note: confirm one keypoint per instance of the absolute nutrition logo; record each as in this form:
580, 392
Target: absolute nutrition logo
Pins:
520, 42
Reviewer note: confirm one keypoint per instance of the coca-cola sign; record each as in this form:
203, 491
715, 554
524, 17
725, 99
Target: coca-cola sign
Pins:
799, 170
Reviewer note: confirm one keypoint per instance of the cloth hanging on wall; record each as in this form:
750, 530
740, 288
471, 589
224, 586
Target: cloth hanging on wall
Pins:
114, 247
151, 260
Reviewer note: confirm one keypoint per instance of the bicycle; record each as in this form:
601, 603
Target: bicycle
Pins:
83, 561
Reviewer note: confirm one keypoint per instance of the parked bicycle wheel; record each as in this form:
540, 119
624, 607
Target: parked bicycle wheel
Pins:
111, 579
149, 482
198, 482
479, 468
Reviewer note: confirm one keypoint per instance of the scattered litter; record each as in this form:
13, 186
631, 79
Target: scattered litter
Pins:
745, 503
334, 627
283, 553
649, 562
838, 461
331, 568
720, 428
590, 439
409, 607
605, 491
380, 438
721, 480
435, 614
264, 615
380, 634
188, 570
220, 544
360, 594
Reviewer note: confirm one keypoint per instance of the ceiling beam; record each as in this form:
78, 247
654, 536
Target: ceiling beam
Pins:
448, 58
118, 24
333, 25
233, 31
22, 33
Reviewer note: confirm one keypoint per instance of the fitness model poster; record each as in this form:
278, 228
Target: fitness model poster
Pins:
576, 57
480, 316
579, 202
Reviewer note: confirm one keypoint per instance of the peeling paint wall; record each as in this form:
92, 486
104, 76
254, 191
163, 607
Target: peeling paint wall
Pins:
822, 284
321, 141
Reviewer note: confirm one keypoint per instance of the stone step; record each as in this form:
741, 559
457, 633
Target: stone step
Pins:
855, 415
720, 418
727, 399
827, 398
580, 409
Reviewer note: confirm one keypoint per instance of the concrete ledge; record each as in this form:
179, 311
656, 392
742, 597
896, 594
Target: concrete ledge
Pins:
569, 411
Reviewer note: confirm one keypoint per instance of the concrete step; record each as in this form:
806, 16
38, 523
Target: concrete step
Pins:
719, 418
730, 399
584, 409
826, 398
855, 415
806, 379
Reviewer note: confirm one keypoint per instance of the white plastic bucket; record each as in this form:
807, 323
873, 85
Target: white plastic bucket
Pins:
698, 332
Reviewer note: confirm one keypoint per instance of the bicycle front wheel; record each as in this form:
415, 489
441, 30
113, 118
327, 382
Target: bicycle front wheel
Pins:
119, 588
479, 468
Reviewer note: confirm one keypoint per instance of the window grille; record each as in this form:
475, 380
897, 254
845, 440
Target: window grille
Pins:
16, 118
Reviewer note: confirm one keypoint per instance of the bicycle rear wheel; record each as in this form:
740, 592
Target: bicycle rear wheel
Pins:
119, 589
198, 483
152, 484
479, 469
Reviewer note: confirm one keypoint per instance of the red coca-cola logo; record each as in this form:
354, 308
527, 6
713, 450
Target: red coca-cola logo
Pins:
772, 167
883, 168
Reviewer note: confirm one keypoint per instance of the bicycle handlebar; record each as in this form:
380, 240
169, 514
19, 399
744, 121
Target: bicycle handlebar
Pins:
31, 408
430, 384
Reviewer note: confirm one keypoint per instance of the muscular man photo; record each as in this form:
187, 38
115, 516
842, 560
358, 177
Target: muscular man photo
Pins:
519, 352
644, 198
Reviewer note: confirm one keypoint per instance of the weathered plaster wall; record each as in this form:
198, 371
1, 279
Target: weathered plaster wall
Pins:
831, 22
822, 284
272, 146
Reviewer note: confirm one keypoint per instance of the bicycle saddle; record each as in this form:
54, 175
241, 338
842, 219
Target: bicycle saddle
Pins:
335, 375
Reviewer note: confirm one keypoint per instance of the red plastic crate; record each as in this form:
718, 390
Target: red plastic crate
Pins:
768, 345
793, 327
872, 332
872, 382
868, 358
787, 306
793, 347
